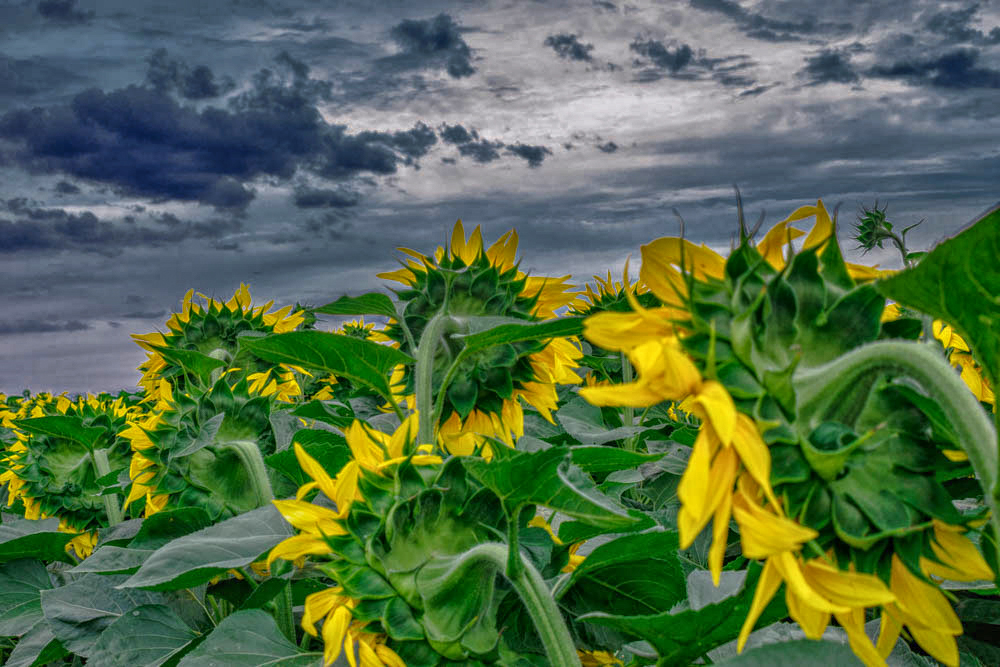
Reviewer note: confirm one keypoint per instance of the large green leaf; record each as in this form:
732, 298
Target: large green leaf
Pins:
167, 525
148, 635
959, 282
193, 363
583, 421
23, 538
327, 412
517, 332
550, 479
608, 459
357, 360
63, 426
110, 559
198, 557
79, 612
21, 584
372, 303
796, 653
37, 647
633, 573
248, 639
682, 637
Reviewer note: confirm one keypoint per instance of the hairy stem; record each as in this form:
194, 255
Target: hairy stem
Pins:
424, 380
822, 388
538, 600
253, 463
111, 506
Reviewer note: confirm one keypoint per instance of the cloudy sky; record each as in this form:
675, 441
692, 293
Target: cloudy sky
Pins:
147, 148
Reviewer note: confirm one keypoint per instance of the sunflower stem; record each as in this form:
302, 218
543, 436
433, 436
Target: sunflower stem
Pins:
537, 600
424, 378
283, 612
111, 506
822, 388
253, 463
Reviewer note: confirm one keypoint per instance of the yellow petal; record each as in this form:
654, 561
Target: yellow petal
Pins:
312, 467
720, 534
960, 559
318, 605
791, 572
713, 403
773, 244
920, 603
812, 621
296, 547
850, 589
767, 586
334, 632
310, 518
888, 632
853, 623
388, 656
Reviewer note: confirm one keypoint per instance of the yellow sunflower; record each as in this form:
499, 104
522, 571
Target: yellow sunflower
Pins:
467, 280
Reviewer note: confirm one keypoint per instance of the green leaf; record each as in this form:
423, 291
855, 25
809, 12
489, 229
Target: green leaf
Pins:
328, 448
23, 538
194, 363
113, 560
976, 610
796, 653
21, 583
357, 360
373, 303
36, 647
583, 421
266, 591
79, 612
607, 459
62, 426
633, 573
515, 333
682, 637
327, 412
167, 525
248, 639
206, 436
148, 635
959, 282
196, 558
548, 478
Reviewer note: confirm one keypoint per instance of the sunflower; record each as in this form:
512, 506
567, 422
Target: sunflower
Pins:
844, 509
212, 329
58, 475
201, 450
466, 280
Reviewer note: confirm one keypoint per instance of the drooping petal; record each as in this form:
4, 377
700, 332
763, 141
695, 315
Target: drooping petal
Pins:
334, 634
853, 623
298, 546
318, 605
767, 586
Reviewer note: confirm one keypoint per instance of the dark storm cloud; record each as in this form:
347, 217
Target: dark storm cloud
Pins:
766, 29
533, 154
167, 75
8, 327
325, 198
66, 188
63, 11
683, 62
567, 46
609, 147
661, 56
481, 150
829, 66
433, 42
954, 25
31, 228
456, 134
954, 69
605, 5
20, 78
143, 142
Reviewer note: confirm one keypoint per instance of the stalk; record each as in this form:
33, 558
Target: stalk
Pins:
541, 607
111, 506
253, 463
424, 378
824, 386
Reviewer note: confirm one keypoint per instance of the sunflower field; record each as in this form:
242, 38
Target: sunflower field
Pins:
774, 457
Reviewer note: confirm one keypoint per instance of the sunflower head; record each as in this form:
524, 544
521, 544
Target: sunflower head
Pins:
51, 468
212, 329
472, 285
187, 452
872, 229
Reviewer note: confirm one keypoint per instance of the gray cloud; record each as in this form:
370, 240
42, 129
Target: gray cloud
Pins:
21, 78
66, 188
955, 26
63, 11
167, 75
533, 154
8, 327
954, 69
608, 147
325, 198
567, 46
829, 66
34, 229
661, 56
433, 43
760, 27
